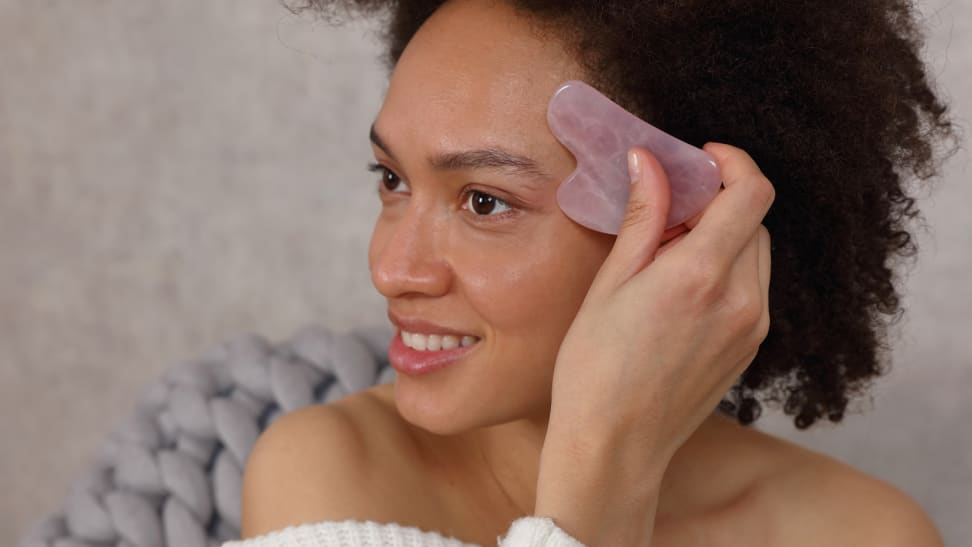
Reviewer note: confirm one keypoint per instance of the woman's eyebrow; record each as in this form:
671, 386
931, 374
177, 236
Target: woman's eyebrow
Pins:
484, 158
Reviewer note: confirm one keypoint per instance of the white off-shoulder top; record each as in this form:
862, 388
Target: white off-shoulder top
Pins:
523, 532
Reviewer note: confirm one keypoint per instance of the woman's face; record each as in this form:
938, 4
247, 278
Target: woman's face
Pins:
482, 250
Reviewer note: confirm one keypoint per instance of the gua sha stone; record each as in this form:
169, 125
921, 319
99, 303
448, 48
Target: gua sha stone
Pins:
599, 133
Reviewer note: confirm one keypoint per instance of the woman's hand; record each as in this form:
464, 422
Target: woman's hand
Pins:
661, 336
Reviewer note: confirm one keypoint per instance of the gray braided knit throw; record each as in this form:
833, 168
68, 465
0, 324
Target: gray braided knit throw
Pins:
171, 474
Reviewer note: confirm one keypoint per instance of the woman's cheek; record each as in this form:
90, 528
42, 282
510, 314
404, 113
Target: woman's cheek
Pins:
509, 283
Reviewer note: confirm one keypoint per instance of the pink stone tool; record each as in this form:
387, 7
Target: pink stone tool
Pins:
599, 133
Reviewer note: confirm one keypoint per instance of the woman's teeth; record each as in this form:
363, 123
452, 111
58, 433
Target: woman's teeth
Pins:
436, 342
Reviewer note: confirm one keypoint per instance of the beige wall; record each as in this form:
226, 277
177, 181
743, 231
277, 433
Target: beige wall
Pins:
172, 173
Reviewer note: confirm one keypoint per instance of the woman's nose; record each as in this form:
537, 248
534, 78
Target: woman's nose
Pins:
407, 258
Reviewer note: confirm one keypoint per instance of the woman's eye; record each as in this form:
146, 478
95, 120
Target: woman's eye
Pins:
483, 204
389, 180
479, 203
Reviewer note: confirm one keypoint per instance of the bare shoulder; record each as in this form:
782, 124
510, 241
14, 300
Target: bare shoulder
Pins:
336, 461
813, 499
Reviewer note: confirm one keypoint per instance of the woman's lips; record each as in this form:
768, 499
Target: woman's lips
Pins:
417, 363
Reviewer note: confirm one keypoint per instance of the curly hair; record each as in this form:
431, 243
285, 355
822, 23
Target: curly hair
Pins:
832, 101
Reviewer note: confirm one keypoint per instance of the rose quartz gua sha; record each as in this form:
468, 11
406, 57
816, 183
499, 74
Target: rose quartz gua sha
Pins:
599, 133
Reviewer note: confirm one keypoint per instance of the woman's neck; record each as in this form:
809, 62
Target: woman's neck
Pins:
501, 462
511, 454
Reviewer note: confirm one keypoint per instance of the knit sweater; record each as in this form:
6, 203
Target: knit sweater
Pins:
523, 532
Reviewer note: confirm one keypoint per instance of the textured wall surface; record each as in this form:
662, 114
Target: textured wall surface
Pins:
174, 173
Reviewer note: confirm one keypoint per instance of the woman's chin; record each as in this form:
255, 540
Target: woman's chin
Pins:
437, 413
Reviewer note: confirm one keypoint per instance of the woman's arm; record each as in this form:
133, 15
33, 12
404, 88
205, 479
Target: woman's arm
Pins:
661, 336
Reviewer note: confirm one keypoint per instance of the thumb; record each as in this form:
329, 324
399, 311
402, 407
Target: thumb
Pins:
644, 219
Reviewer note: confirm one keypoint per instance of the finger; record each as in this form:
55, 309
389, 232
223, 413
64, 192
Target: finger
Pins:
756, 250
694, 221
765, 269
744, 277
667, 246
730, 220
748, 298
765, 258
643, 226
672, 232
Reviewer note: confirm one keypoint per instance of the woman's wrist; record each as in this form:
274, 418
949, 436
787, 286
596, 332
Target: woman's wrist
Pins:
598, 491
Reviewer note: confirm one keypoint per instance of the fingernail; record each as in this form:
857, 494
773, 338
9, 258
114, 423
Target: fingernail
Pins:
634, 166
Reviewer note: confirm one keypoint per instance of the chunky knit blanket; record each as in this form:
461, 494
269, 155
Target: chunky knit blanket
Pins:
171, 473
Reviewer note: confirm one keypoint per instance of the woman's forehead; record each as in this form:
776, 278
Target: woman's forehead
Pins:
474, 74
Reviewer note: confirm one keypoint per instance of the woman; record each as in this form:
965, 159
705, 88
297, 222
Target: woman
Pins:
591, 387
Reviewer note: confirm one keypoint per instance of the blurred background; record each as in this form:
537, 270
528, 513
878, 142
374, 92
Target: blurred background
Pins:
176, 173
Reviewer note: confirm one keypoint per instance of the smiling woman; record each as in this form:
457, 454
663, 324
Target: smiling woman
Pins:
593, 388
